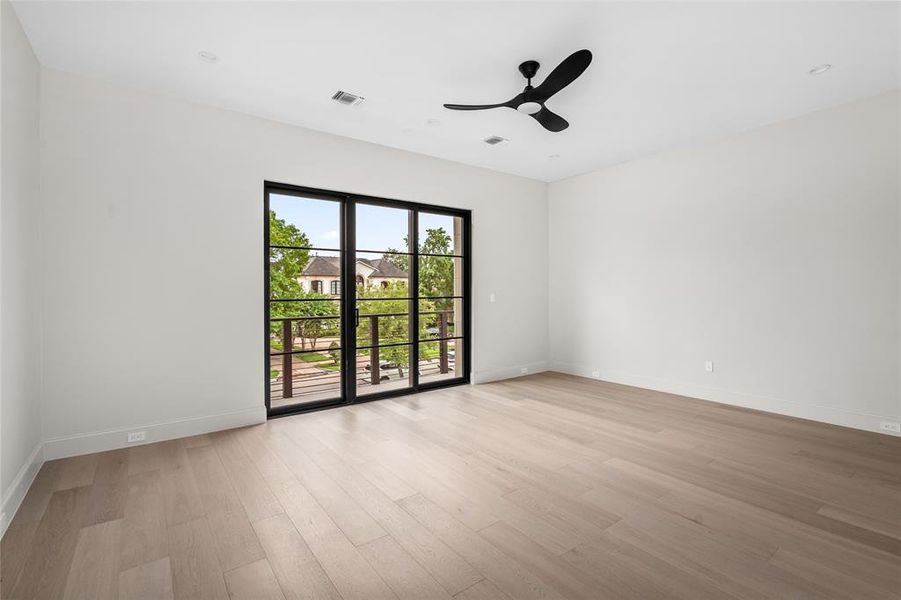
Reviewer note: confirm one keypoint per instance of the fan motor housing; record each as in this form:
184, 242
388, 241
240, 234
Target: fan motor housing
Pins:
529, 68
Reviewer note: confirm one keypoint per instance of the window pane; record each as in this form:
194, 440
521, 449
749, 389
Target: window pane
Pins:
391, 369
314, 376
440, 319
381, 275
382, 228
440, 276
383, 322
304, 222
298, 333
440, 360
295, 273
440, 234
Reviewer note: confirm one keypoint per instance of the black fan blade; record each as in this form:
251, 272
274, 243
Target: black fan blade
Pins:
550, 120
565, 73
474, 106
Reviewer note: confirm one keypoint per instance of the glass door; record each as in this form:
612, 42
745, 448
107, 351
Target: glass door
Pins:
365, 298
384, 299
304, 284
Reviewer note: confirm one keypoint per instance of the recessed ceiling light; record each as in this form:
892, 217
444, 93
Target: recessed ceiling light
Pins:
820, 69
206, 56
553, 156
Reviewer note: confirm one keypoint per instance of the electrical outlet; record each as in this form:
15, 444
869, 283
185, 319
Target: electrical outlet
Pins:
708, 366
596, 374
137, 436
491, 298
890, 426
524, 370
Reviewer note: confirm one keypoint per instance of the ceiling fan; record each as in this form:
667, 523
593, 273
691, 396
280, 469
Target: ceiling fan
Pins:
531, 100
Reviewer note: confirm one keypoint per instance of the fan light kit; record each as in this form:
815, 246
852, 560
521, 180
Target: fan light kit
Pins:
531, 100
820, 69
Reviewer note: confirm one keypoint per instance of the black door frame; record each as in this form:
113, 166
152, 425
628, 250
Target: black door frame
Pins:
348, 202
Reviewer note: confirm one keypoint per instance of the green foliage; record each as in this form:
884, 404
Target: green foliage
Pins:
436, 273
393, 328
401, 261
310, 330
285, 265
335, 353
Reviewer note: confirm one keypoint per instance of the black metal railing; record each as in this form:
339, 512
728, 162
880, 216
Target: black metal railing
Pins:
287, 336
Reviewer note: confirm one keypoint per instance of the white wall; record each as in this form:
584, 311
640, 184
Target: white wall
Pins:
152, 262
773, 253
20, 426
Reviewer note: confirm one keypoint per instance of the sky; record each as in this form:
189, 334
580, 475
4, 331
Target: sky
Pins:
378, 227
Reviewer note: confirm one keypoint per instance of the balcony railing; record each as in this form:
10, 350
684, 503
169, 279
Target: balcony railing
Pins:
320, 382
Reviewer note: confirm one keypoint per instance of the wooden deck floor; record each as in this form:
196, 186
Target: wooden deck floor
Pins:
546, 486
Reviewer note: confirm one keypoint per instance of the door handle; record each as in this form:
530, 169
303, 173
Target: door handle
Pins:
356, 317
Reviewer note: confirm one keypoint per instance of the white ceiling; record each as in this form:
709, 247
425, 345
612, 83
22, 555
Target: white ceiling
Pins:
664, 74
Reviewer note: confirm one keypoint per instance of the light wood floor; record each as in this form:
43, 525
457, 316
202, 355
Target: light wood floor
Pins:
547, 486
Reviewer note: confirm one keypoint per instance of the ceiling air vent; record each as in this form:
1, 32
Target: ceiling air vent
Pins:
493, 140
347, 98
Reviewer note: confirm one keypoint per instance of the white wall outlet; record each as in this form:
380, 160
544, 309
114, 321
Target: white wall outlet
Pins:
596, 374
708, 366
890, 426
524, 370
491, 298
137, 436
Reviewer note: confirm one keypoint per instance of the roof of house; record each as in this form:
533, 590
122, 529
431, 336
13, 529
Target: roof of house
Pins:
330, 266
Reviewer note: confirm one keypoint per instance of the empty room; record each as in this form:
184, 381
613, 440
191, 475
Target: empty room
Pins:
450, 300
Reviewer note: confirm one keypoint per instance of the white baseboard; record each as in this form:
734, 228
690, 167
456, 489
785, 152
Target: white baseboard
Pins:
13, 497
100, 441
508, 372
822, 414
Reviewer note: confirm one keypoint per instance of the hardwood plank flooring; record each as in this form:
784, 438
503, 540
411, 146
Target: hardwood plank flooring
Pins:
547, 486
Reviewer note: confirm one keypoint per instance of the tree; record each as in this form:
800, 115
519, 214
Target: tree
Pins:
285, 267
285, 264
401, 261
334, 352
315, 305
394, 326
436, 273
